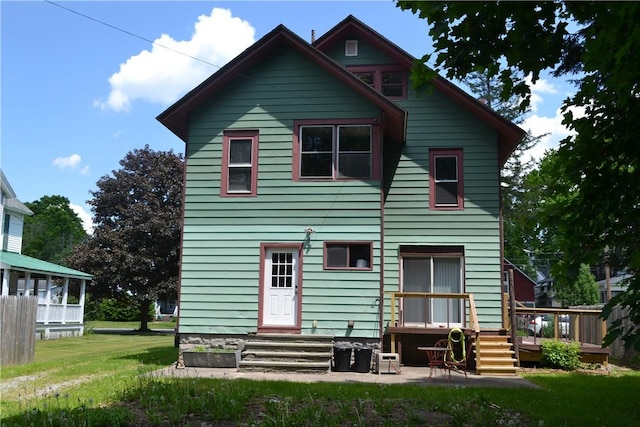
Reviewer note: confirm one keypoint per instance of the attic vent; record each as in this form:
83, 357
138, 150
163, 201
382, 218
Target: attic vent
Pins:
351, 48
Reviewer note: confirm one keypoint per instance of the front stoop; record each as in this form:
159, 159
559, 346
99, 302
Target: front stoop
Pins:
495, 355
287, 352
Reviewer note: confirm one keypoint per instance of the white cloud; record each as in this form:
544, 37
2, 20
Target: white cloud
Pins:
163, 75
70, 162
552, 129
539, 88
85, 217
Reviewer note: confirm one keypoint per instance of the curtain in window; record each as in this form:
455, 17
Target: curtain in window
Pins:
416, 278
446, 279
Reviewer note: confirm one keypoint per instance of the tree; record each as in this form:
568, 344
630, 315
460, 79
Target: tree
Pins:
518, 230
582, 290
602, 160
134, 250
53, 229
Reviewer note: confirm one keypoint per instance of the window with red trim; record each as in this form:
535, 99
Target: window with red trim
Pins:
446, 187
348, 255
335, 151
391, 81
239, 164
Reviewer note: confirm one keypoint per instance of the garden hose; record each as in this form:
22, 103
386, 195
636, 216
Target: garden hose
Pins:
461, 340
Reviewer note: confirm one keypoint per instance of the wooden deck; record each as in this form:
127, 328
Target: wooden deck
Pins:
529, 350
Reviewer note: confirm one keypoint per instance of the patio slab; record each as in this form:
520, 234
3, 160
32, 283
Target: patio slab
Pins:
408, 375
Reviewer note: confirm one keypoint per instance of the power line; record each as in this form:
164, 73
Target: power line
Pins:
106, 24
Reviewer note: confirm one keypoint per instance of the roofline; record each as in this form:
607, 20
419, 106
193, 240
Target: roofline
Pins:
521, 272
176, 117
509, 134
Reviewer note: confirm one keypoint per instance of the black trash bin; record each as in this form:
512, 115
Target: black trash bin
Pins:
362, 358
341, 358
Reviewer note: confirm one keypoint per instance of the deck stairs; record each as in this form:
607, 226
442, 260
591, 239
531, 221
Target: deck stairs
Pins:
288, 353
495, 355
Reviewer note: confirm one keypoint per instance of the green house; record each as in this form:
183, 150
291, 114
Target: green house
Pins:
323, 195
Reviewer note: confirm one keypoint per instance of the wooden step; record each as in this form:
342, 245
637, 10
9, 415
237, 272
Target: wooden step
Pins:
495, 355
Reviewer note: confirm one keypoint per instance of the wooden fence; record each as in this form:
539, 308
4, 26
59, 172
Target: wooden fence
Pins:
616, 348
17, 329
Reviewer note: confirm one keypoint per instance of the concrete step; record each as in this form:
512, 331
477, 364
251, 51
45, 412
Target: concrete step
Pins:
293, 366
287, 352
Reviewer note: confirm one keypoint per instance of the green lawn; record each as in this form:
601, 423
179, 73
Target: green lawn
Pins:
96, 380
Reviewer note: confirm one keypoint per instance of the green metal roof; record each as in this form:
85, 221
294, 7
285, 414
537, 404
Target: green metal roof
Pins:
22, 262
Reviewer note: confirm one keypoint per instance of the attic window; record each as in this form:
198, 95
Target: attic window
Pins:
351, 48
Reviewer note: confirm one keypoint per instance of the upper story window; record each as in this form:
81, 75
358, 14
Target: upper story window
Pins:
351, 48
391, 81
446, 187
335, 151
239, 163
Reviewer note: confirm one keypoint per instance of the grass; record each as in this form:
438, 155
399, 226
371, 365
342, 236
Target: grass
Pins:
96, 380
128, 325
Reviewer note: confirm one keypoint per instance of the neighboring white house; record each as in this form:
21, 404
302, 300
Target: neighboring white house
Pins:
60, 290
619, 283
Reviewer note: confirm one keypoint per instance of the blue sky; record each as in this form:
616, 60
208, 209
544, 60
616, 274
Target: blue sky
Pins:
78, 95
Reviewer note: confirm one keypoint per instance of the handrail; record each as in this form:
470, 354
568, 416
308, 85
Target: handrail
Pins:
394, 296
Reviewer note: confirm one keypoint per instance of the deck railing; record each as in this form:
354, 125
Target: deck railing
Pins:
581, 325
59, 313
396, 305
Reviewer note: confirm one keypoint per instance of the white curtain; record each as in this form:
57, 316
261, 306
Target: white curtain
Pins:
419, 277
416, 278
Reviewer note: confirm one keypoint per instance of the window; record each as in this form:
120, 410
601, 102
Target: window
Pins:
335, 151
388, 80
239, 163
347, 256
432, 270
445, 179
351, 48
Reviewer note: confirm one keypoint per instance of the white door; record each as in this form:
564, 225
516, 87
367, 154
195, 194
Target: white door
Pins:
280, 287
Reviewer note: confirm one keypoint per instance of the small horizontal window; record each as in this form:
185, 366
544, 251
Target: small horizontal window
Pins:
348, 256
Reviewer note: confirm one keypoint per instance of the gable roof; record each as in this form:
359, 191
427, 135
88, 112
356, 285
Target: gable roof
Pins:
9, 198
176, 117
18, 261
509, 134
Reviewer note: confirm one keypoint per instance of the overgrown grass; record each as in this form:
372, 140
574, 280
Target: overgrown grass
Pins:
115, 393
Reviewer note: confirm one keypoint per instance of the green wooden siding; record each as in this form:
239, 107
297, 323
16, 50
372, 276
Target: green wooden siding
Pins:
367, 54
437, 122
222, 236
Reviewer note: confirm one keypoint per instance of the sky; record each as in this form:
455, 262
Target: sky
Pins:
81, 83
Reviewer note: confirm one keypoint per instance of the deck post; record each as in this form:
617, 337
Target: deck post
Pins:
393, 321
513, 318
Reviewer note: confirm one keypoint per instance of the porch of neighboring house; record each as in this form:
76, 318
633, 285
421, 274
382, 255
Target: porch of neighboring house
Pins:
60, 292
419, 319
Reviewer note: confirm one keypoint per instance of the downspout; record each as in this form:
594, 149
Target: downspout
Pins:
382, 258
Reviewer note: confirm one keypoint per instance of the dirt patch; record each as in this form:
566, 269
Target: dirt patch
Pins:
22, 388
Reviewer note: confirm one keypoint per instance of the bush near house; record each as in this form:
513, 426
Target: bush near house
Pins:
559, 355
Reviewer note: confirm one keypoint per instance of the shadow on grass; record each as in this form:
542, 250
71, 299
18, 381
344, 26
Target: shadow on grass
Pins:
155, 356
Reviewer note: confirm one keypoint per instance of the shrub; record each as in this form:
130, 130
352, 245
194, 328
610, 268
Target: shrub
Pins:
556, 354
122, 309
